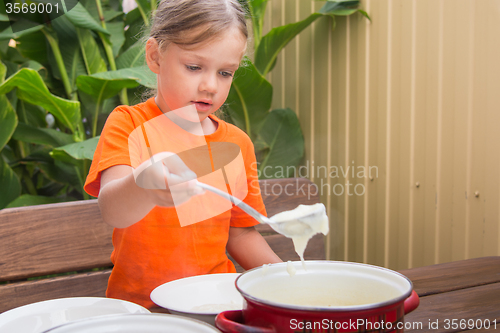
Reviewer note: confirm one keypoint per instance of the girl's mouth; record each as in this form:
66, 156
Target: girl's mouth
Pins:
203, 105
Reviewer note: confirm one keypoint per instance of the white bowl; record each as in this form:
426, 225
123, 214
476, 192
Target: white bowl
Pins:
135, 323
200, 297
38, 317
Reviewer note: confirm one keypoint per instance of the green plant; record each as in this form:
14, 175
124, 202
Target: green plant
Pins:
278, 138
62, 79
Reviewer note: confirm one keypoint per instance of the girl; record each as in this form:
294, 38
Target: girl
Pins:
194, 47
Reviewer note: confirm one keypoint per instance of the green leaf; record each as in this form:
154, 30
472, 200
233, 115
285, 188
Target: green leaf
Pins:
249, 99
133, 16
107, 84
8, 119
61, 172
8, 154
260, 145
117, 37
282, 133
14, 55
40, 154
69, 47
75, 152
91, 56
9, 183
91, 7
33, 200
31, 114
33, 46
135, 29
34, 65
116, 5
43, 136
8, 116
134, 56
144, 7
24, 27
11, 67
3, 71
111, 14
32, 89
50, 189
339, 7
261, 148
365, 14
345, 12
4, 25
110, 104
89, 105
4, 46
257, 11
81, 18
275, 40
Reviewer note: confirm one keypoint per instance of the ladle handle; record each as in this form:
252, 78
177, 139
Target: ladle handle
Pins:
248, 209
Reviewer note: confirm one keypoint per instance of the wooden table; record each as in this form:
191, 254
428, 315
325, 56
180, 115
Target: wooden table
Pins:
461, 290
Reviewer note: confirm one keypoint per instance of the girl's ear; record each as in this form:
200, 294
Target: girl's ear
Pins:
153, 55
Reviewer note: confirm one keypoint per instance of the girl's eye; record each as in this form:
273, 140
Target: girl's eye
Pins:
192, 68
226, 74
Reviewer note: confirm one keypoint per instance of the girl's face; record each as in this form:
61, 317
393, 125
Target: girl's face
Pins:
201, 75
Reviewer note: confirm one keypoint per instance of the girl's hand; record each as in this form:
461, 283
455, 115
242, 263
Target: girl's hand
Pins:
127, 195
169, 181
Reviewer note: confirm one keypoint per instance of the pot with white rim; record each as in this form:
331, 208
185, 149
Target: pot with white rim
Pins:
326, 296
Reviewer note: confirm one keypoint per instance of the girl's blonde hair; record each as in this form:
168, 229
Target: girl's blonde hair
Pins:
189, 22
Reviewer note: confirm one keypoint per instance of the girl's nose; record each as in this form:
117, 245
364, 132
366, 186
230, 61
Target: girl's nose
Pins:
209, 83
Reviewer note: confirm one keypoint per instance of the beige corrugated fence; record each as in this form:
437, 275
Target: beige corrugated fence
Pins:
401, 118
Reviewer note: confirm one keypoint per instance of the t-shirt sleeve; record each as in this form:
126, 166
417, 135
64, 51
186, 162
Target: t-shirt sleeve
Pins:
238, 217
112, 148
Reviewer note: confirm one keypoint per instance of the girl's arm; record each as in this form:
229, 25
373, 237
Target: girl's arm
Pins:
249, 248
122, 202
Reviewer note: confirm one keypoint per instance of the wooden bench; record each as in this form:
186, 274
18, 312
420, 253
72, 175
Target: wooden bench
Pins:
72, 238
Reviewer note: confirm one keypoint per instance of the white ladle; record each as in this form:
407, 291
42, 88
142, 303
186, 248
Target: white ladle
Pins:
301, 226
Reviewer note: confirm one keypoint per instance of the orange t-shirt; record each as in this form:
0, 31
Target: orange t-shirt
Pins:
157, 249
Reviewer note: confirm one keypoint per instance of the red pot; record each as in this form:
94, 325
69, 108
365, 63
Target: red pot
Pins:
327, 296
